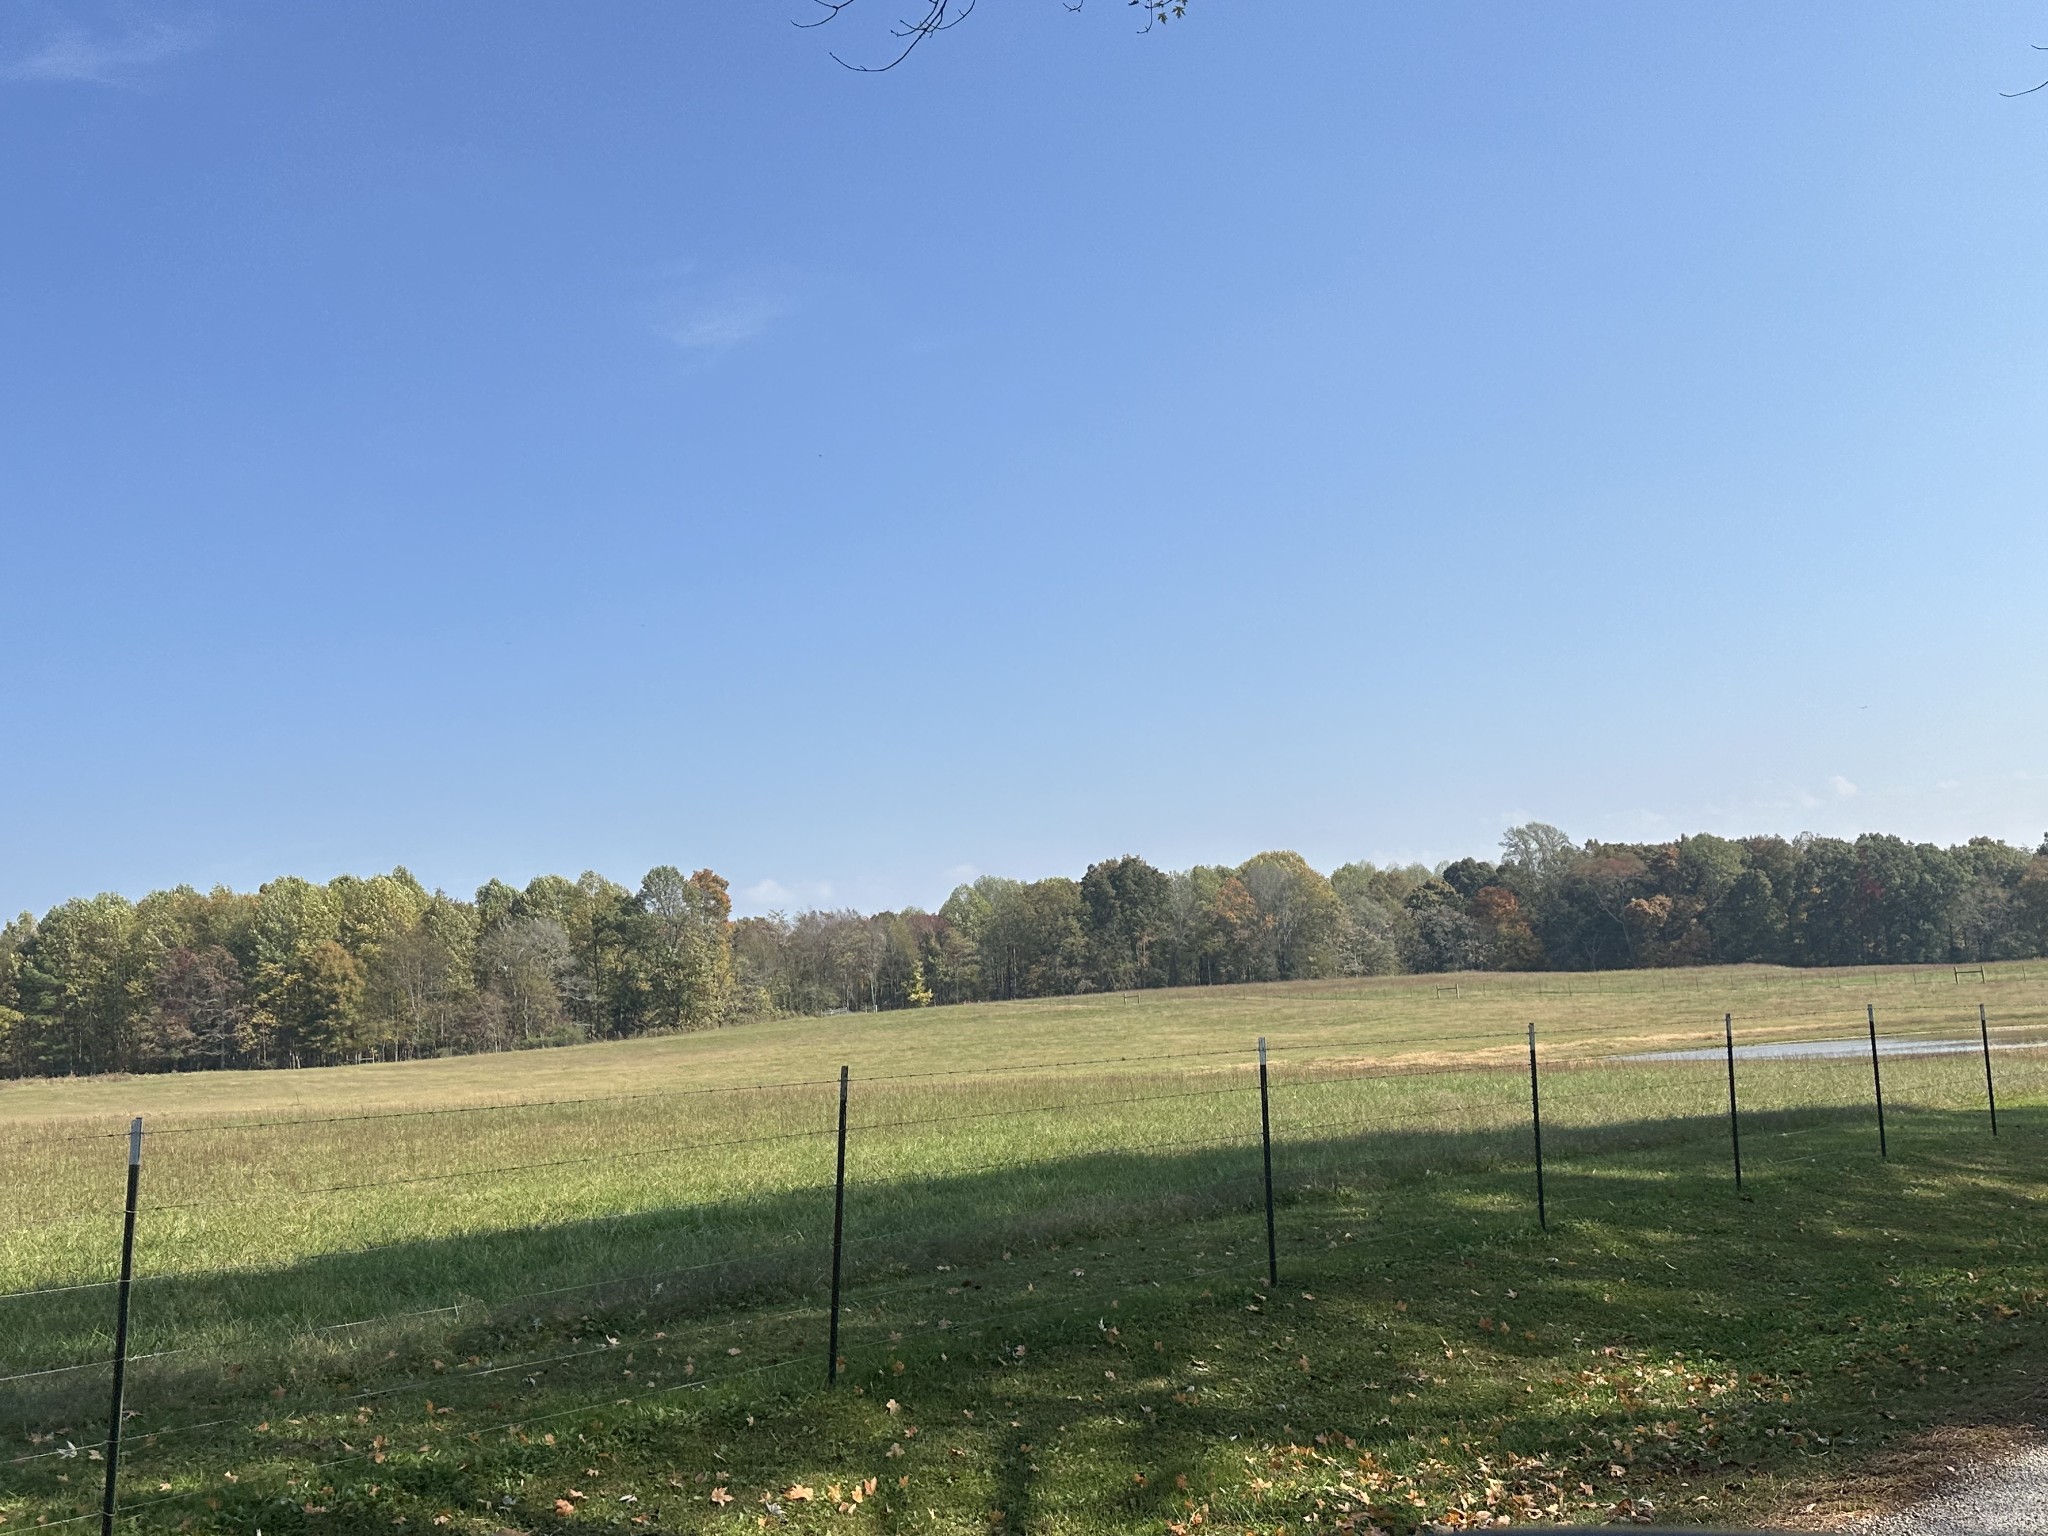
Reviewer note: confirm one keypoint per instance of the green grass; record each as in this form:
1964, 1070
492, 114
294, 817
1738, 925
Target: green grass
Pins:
641, 1276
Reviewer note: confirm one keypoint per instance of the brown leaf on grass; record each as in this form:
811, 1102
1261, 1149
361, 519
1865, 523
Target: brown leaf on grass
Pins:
720, 1497
797, 1493
892, 1405
564, 1507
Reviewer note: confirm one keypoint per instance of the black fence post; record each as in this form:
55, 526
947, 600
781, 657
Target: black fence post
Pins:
121, 1330
838, 1237
1876, 1079
1266, 1136
1990, 1094
1536, 1124
1734, 1125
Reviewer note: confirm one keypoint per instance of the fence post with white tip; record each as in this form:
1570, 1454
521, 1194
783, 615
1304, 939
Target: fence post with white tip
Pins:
1266, 1138
121, 1330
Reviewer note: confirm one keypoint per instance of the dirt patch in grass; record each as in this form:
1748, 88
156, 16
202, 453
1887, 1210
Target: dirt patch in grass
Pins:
1917, 1467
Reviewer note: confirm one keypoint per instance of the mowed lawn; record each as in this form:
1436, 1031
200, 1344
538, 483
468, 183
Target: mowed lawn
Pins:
587, 1287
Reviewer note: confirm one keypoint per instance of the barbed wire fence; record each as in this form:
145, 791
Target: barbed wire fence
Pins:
852, 1241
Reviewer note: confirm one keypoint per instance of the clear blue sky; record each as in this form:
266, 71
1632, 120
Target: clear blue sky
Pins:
502, 438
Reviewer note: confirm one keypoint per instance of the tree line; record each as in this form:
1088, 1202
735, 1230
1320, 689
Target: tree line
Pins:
380, 968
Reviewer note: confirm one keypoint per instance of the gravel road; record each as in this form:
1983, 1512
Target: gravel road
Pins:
2007, 1498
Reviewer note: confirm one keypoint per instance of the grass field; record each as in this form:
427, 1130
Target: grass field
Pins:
571, 1289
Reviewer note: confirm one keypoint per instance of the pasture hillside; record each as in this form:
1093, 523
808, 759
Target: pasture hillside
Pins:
570, 1288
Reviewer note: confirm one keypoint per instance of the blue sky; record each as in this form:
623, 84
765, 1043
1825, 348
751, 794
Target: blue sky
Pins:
502, 438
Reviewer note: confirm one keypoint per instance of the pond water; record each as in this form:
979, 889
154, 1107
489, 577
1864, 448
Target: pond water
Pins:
1798, 1050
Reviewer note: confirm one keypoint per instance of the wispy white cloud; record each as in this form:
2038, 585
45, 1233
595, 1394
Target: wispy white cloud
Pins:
772, 895
71, 55
709, 317
1842, 787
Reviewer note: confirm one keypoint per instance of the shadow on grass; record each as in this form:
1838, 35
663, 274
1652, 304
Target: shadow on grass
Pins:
1442, 1313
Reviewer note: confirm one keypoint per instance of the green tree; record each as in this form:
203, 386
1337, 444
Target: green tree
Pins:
17, 1059
523, 962
1441, 935
1985, 918
1124, 913
291, 918
688, 947
75, 978
1468, 877
1238, 949
1748, 921
323, 1003
1301, 917
420, 976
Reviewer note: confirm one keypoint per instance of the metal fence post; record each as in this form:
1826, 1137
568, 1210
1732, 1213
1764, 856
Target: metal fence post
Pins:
1990, 1095
1536, 1124
1734, 1125
1876, 1079
1266, 1137
838, 1236
121, 1330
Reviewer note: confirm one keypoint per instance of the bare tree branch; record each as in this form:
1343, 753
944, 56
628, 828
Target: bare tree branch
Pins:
2043, 86
943, 15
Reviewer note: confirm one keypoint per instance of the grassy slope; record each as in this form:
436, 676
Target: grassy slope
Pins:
1325, 1016
1664, 1342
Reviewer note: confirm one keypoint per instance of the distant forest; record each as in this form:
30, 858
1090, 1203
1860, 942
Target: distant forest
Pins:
298, 974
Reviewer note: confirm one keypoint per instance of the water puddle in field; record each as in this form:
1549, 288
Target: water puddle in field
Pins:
1809, 1050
